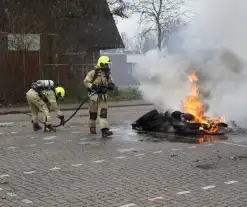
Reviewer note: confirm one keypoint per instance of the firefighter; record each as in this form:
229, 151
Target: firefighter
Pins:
99, 81
43, 97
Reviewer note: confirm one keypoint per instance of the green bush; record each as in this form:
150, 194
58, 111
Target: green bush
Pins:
125, 94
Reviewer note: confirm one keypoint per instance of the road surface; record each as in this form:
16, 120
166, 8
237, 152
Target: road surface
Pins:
71, 168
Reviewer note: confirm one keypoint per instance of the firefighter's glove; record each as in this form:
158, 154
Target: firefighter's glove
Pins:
95, 88
103, 89
99, 89
111, 86
62, 121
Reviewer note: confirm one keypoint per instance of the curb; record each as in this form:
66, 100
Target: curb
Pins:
73, 108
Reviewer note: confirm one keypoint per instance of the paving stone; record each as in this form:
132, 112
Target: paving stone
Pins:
117, 182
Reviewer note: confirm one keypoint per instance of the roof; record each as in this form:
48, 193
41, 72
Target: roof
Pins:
96, 30
87, 25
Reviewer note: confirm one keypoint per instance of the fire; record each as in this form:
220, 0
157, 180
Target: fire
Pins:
194, 105
209, 138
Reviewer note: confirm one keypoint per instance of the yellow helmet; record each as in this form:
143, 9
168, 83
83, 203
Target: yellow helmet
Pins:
60, 92
102, 61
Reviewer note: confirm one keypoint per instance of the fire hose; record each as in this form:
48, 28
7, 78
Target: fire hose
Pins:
79, 107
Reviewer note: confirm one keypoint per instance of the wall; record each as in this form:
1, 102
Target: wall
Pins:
120, 70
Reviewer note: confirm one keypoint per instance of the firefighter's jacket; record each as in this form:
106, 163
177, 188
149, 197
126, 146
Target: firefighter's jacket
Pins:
53, 106
99, 78
49, 95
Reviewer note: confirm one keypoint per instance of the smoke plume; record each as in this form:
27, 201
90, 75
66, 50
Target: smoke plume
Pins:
214, 45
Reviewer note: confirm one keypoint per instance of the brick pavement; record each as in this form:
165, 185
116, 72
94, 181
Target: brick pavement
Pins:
72, 168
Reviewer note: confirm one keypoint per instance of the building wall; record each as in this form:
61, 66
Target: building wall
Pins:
121, 70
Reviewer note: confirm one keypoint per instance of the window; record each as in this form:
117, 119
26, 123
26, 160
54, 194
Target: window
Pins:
24, 42
131, 67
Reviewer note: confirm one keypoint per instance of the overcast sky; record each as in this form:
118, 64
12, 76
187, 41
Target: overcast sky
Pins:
129, 26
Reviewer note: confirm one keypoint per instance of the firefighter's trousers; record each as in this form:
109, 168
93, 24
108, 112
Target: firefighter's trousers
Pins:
37, 104
98, 107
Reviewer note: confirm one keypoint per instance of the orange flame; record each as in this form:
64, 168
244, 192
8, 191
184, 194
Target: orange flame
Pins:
194, 105
208, 138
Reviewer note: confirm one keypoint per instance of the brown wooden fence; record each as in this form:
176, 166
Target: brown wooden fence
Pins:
23, 68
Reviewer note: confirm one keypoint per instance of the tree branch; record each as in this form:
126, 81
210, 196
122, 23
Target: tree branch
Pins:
162, 14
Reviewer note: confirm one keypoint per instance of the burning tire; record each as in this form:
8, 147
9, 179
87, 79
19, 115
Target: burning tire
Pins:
153, 121
192, 122
182, 124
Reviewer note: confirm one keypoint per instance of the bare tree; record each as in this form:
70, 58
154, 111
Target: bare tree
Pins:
142, 43
127, 42
148, 43
137, 44
119, 8
158, 16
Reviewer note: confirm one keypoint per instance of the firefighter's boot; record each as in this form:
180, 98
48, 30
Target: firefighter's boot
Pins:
49, 128
106, 132
93, 130
36, 126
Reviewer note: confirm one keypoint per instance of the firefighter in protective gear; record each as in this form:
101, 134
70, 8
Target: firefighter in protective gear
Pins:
99, 81
43, 97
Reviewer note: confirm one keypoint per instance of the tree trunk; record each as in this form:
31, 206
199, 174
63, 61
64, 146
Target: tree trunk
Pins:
159, 36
